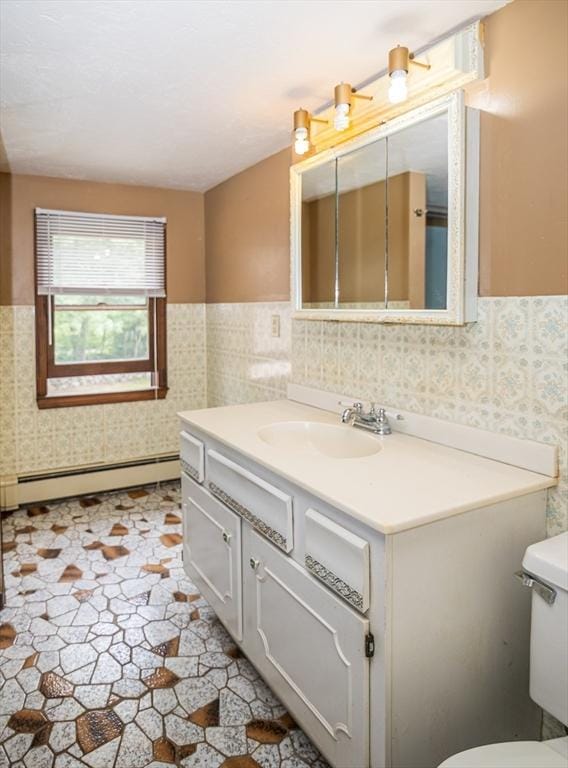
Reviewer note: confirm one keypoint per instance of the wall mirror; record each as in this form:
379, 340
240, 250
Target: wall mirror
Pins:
384, 227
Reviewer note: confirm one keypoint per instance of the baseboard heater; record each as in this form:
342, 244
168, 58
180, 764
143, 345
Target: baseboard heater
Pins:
49, 486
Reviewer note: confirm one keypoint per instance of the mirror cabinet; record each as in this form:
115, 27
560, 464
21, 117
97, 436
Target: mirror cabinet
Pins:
384, 227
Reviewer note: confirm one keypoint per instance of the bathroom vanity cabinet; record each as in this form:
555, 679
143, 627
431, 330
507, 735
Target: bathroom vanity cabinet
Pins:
382, 644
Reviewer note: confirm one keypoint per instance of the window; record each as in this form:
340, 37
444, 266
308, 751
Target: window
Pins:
100, 308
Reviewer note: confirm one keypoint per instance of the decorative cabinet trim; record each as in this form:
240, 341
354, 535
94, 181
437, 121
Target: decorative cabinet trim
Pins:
334, 582
339, 558
255, 521
189, 470
267, 508
192, 456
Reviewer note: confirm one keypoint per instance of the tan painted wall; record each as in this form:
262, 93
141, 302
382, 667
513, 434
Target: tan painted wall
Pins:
247, 234
524, 151
4, 166
524, 189
524, 196
5, 237
19, 195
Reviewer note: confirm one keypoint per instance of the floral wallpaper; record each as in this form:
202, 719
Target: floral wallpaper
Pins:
245, 362
33, 441
508, 372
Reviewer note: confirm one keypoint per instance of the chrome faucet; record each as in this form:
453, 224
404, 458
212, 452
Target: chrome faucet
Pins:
351, 412
375, 419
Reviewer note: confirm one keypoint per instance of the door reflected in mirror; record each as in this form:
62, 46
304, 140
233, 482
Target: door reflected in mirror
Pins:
417, 210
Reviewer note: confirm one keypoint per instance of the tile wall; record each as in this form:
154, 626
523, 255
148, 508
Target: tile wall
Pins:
33, 441
508, 372
245, 362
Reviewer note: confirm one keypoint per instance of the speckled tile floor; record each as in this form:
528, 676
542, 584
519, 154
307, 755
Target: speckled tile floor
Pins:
110, 658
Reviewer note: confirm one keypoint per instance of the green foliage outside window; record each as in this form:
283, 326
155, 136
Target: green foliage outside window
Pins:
99, 328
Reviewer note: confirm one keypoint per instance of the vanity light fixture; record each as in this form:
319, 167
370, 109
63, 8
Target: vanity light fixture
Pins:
400, 60
302, 121
344, 94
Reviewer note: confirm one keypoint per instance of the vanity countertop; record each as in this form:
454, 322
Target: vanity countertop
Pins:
409, 483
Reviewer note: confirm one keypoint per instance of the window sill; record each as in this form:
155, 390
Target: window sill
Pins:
100, 398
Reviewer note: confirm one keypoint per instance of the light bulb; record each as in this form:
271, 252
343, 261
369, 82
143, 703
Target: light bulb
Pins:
397, 89
341, 119
301, 141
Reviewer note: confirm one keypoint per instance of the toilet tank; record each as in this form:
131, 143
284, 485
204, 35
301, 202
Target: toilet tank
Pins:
547, 562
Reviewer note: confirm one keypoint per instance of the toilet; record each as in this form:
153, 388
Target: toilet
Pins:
545, 570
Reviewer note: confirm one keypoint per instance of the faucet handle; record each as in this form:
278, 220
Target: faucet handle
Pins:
379, 414
383, 413
357, 405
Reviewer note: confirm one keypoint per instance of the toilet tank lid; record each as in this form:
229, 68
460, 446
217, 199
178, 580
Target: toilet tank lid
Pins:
549, 560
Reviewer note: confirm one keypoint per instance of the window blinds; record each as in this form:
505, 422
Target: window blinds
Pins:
88, 253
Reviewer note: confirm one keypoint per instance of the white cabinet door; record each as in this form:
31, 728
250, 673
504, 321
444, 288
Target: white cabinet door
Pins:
212, 553
310, 647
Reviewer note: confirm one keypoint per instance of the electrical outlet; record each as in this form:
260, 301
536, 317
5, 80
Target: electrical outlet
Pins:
276, 325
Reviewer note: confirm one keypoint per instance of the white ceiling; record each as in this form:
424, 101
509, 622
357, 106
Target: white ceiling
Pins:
185, 93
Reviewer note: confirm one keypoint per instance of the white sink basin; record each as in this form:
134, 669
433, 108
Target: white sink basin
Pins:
336, 442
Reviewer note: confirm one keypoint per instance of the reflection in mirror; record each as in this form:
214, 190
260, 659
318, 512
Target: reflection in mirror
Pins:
417, 260
319, 272
375, 224
344, 231
362, 234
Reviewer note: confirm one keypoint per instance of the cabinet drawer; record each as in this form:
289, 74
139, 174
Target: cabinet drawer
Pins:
212, 553
192, 456
265, 507
338, 558
310, 648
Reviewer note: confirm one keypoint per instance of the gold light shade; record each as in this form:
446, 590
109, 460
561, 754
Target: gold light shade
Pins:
343, 93
301, 119
302, 122
399, 58
343, 96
